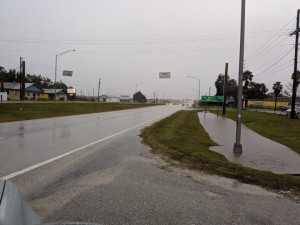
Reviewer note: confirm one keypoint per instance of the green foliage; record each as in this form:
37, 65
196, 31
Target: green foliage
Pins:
181, 137
277, 87
232, 87
256, 91
139, 97
247, 77
297, 78
26, 111
39, 80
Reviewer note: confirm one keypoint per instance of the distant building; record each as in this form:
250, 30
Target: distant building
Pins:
3, 96
109, 98
124, 98
61, 94
32, 91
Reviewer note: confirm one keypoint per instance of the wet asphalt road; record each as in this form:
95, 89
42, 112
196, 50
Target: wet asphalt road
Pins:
28, 143
118, 181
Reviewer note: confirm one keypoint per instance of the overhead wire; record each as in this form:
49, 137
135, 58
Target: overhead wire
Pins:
263, 53
269, 74
141, 41
275, 62
270, 40
148, 52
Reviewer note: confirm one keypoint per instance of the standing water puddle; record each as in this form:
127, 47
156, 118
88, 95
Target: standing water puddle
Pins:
258, 152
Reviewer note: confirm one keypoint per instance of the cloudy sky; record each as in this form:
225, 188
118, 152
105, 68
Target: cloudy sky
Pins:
128, 42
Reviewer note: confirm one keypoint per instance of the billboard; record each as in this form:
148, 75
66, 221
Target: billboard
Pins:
164, 75
71, 90
67, 73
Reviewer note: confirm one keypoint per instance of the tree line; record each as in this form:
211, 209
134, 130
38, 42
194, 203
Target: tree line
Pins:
44, 82
251, 89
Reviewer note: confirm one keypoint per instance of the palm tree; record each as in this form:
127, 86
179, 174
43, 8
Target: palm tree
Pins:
277, 87
297, 78
247, 77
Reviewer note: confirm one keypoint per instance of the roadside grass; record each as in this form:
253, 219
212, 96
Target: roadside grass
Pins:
181, 137
275, 127
26, 111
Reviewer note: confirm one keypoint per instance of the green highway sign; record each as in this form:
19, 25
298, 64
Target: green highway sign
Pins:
212, 99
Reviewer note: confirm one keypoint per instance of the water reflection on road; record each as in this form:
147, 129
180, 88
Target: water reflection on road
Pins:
258, 152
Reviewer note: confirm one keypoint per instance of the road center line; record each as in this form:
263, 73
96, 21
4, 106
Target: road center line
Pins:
78, 149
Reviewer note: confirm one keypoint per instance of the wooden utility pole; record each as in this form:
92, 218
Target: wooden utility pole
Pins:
295, 66
20, 76
225, 89
23, 81
99, 90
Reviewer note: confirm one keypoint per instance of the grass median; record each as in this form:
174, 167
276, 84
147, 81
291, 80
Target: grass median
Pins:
26, 111
275, 127
181, 137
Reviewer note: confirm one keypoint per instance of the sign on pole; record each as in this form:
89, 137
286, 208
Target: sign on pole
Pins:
164, 75
67, 73
212, 98
71, 91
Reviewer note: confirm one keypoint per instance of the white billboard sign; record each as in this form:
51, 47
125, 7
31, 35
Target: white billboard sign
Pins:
67, 73
71, 91
164, 75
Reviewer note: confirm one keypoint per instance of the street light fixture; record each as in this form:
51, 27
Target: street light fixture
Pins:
199, 95
72, 50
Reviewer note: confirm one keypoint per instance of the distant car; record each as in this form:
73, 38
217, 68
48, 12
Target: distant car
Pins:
284, 108
297, 111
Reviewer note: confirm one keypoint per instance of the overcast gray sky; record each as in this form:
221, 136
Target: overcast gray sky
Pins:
126, 42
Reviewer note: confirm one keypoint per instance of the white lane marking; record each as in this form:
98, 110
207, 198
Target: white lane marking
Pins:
77, 149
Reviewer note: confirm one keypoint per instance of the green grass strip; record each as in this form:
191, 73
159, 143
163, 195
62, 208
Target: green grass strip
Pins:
26, 111
181, 137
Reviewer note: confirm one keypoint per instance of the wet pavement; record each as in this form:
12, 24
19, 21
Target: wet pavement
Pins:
28, 143
258, 152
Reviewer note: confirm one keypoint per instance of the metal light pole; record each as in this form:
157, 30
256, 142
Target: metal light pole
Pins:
155, 94
237, 148
199, 95
73, 50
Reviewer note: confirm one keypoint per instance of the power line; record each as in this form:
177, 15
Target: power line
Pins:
276, 62
253, 53
262, 53
141, 41
270, 61
288, 62
145, 52
274, 72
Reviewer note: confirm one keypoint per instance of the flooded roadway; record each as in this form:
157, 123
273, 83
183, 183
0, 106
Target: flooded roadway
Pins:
258, 152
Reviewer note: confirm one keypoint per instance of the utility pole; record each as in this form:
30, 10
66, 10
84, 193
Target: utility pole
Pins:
20, 77
23, 81
99, 90
295, 66
237, 148
225, 89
